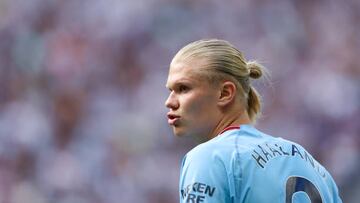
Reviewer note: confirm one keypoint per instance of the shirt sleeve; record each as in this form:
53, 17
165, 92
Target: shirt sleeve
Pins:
204, 179
333, 189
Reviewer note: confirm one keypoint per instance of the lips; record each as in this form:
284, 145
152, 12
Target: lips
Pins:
172, 118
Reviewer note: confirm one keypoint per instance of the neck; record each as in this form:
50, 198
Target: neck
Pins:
230, 120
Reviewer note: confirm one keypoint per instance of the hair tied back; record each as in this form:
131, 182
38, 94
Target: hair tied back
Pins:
255, 69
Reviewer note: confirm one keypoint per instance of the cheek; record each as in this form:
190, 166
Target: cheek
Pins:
200, 105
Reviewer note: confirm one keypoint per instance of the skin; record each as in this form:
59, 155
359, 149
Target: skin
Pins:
197, 108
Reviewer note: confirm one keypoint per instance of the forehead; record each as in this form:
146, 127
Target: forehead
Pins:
184, 71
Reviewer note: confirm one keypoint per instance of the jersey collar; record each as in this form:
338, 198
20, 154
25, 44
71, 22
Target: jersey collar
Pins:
229, 128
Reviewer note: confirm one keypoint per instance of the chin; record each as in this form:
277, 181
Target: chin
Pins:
179, 132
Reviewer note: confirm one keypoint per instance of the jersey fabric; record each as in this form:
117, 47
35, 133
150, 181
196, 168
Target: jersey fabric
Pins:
244, 165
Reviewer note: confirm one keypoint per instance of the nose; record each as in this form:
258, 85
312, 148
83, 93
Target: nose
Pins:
172, 102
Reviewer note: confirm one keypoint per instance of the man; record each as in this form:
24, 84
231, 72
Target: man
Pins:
212, 100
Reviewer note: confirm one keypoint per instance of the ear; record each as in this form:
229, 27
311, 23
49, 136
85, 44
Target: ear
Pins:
227, 93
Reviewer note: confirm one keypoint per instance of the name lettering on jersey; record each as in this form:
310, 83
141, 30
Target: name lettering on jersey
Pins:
197, 192
264, 153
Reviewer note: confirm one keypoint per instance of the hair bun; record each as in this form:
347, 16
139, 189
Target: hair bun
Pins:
255, 69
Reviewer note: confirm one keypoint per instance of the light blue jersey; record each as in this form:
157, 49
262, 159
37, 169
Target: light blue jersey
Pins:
244, 165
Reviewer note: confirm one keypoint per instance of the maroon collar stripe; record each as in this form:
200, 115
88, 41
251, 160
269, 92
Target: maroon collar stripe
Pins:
229, 128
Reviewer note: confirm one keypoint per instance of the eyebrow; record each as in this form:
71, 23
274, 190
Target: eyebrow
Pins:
180, 81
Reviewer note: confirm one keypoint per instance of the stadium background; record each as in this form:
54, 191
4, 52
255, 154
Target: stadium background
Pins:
82, 88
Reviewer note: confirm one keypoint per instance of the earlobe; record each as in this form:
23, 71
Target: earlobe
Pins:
227, 93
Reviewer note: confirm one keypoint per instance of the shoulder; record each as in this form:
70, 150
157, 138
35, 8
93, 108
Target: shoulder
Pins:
204, 175
207, 154
209, 158
217, 165
227, 147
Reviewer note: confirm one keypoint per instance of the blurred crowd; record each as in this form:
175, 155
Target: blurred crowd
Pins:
82, 91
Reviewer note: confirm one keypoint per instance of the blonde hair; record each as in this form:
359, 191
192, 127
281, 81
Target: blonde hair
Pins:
224, 62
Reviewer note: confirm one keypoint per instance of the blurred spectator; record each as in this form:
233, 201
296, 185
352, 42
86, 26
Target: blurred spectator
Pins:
82, 91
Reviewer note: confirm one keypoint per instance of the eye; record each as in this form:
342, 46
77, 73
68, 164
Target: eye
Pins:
183, 88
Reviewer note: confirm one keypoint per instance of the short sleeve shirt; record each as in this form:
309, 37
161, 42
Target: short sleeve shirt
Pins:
244, 165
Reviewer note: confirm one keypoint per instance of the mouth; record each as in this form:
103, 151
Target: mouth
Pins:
172, 119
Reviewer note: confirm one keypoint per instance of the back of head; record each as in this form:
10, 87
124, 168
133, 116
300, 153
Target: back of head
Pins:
225, 62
